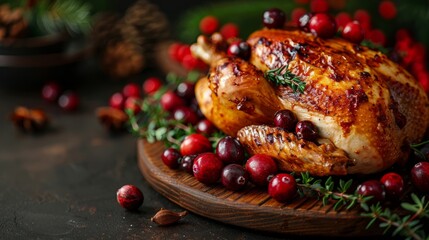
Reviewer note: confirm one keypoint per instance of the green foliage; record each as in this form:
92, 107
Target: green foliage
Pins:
284, 77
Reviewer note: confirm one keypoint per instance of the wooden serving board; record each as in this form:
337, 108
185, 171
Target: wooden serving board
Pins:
251, 208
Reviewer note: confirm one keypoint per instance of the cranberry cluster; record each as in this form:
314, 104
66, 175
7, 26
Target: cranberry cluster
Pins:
210, 24
181, 53
67, 100
287, 120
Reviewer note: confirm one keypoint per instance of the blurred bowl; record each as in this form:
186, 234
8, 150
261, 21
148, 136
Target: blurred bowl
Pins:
32, 61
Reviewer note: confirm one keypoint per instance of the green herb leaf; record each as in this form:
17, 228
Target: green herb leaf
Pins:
284, 77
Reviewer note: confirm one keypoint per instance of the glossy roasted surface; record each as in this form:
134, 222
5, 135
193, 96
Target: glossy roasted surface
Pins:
364, 103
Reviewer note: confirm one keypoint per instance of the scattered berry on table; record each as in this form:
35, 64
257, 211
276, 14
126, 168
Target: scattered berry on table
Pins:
130, 197
274, 18
207, 168
260, 167
170, 157
234, 177
69, 101
194, 144
282, 187
51, 91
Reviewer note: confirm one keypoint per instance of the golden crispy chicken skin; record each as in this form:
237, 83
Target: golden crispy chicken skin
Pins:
362, 103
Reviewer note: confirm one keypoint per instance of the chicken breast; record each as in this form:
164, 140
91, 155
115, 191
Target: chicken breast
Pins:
361, 102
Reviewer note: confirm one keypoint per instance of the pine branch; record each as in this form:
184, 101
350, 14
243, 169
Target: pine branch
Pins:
285, 79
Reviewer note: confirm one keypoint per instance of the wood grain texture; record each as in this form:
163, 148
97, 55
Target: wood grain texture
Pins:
250, 208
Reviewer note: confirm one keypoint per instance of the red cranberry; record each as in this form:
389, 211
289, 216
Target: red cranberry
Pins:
185, 114
285, 119
322, 25
260, 167
306, 130
183, 51
69, 101
186, 90
234, 177
151, 85
195, 144
353, 32
229, 30
282, 187
239, 49
187, 162
209, 25
230, 150
342, 19
377, 37
372, 188
170, 101
173, 51
304, 21
297, 13
318, 6
131, 90
129, 197
132, 104
274, 18
387, 9
170, 157
393, 184
117, 101
207, 168
420, 176
51, 91
205, 127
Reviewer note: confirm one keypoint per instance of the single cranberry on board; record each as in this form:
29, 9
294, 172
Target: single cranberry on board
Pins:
393, 184
234, 177
170, 157
230, 150
372, 188
206, 127
282, 187
260, 167
207, 168
274, 18
129, 197
420, 176
51, 91
194, 144
187, 162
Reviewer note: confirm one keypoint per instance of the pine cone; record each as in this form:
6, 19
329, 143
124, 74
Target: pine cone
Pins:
12, 22
142, 26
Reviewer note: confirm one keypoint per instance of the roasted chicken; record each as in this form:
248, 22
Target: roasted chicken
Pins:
367, 108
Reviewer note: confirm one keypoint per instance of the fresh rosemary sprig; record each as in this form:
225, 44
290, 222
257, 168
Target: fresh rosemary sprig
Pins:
409, 226
285, 79
415, 147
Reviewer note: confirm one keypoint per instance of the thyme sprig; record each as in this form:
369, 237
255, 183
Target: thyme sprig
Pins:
284, 77
409, 226
153, 123
416, 148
